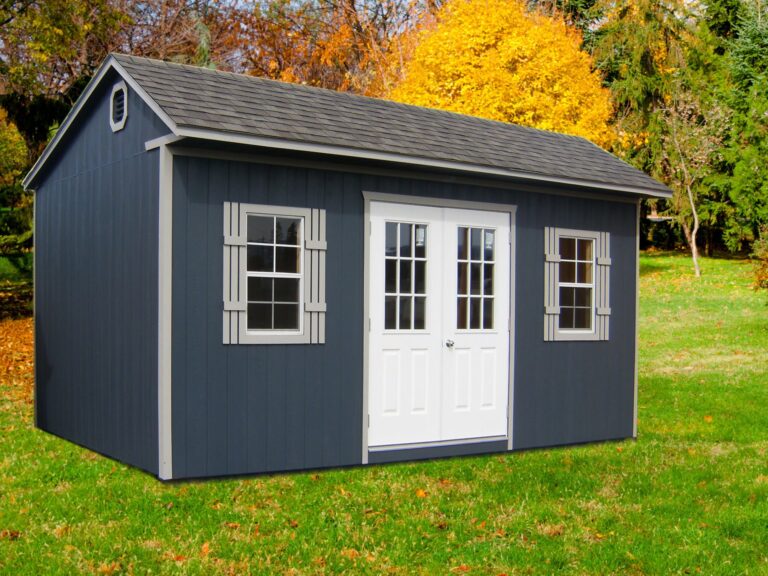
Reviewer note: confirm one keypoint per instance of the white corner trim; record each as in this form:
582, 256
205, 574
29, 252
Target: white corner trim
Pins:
164, 314
120, 124
161, 141
277, 143
109, 64
637, 321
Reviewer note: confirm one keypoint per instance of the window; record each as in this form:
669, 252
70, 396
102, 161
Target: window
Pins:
576, 278
118, 106
475, 264
274, 274
405, 276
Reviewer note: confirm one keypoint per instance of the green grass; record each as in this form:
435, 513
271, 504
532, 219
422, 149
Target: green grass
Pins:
690, 496
16, 285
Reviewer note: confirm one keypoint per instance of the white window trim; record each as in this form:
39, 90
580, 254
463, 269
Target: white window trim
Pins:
600, 286
312, 284
117, 126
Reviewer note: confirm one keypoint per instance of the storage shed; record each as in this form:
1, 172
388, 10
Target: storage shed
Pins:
236, 275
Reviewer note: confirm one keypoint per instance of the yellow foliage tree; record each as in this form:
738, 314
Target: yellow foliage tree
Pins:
498, 60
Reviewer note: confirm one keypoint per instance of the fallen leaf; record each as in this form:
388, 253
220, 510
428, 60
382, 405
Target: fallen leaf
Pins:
232, 525
6, 534
108, 568
708, 419
421, 493
350, 553
205, 549
461, 569
293, 523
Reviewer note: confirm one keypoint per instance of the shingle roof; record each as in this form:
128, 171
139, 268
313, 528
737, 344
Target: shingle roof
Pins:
242, 105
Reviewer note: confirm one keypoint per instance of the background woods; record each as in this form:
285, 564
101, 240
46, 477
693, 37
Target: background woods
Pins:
676, 88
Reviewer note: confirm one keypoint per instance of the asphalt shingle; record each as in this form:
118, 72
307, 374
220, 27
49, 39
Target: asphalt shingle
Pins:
244, 105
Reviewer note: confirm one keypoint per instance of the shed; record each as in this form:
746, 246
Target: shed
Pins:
236, 275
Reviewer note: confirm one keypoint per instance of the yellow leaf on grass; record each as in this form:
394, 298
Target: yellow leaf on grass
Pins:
205, 549
421, 493
708, 419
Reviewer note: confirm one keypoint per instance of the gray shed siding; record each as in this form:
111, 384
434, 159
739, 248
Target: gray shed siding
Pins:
249, 408
96, 245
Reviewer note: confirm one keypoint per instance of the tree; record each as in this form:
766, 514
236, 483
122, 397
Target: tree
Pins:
15, 206
497, 60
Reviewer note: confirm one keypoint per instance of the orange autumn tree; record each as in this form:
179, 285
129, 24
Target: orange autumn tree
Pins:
498, 60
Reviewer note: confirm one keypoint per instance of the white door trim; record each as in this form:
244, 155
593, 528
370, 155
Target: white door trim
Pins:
369, 197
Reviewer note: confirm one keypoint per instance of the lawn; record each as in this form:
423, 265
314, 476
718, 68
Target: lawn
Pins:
690, 496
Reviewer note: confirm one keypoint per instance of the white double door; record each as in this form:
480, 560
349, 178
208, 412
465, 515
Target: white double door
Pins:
439, 300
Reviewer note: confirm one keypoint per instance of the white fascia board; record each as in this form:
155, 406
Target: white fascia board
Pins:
109, 64
213, 135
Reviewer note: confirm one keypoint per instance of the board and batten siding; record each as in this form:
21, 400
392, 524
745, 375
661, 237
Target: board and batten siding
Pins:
240, 409
96, 231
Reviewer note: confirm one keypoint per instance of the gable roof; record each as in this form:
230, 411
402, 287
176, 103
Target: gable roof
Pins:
200, 103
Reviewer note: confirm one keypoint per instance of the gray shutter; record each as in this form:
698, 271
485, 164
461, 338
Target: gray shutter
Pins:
314, 276
234, 286
602, 285
551, 271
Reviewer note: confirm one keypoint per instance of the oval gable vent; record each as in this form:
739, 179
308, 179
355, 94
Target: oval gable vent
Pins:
118, 106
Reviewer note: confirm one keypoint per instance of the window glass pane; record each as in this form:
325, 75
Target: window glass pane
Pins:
583, 318
287, 231
286, 290
566, 318
474, 312
259, 316
566, 296
419, 313
405, 240
488, 313
286, 316
584, 272
390, 276
390, 312
259, 289
261, 229
585, 249
420, 248
420, 277
405, 276
475, 278
583, 296
462, 279
405, 313
390, 245
462, 241
567, 272
488, 279
489, 243
476, 243
287, 260
260, 259
461, 313
568, 248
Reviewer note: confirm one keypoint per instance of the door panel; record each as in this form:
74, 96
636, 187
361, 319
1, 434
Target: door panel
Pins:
439, 338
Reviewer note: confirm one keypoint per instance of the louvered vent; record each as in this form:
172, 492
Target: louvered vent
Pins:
118, 106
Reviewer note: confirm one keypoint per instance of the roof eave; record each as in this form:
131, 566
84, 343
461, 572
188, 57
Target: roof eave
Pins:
110, 63
331, 150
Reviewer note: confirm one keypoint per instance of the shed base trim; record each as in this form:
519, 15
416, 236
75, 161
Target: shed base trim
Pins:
481, 446
413, 445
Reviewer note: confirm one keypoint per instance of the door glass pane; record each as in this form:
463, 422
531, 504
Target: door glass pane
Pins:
489, 244
461, 313
405, 313
261, 229
475, 278
476, 244
474, 312
287, 231
463, 281
420, 277
261, 259
405, 276
462, 243
390, 243
390, 312
488, 279
420, 244
390, 276
405, 240
488, 313
419, 313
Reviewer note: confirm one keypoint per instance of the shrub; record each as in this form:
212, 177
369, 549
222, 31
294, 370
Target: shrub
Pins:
760, 259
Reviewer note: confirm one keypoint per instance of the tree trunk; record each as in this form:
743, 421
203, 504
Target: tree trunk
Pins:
694, 231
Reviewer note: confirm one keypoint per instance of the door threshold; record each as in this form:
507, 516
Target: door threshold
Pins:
457, 442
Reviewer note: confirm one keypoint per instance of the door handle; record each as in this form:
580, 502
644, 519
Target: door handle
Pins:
449, 343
